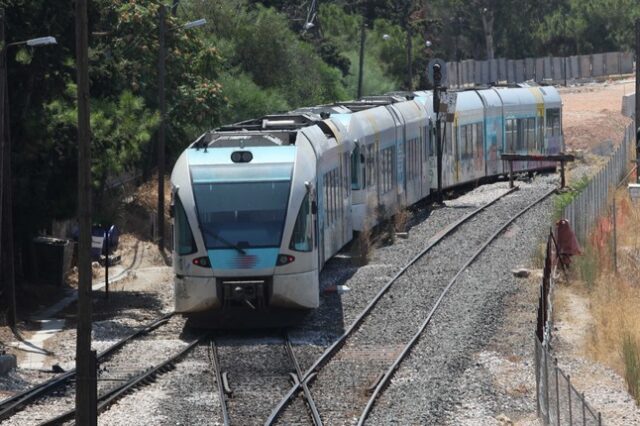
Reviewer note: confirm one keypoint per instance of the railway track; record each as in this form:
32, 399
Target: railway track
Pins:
359, 383
61, 386
247, 390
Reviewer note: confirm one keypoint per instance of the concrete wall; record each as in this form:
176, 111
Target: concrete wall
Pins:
548, 69
629, 105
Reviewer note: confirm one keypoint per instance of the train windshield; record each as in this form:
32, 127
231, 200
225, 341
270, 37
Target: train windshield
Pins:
242, 214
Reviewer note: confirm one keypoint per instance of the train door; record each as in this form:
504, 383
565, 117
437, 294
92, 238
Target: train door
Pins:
423, 153
320, 217
401, 150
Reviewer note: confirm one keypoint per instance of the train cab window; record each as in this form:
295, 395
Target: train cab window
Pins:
301, 238
185, 244
553, 122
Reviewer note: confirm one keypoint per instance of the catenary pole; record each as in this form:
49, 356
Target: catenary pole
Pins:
85, 384
361, 60
6, 221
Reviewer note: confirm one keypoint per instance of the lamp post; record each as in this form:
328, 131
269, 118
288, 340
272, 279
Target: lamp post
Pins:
7, 274
162, 104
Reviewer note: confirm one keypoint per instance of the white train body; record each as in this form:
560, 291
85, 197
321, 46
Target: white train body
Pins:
260, 206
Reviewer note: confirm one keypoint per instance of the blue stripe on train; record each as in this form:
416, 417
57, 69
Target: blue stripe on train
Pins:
254, 258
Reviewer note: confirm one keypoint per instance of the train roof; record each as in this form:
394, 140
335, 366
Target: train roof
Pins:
274, 129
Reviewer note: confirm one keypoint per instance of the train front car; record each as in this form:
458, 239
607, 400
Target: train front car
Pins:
244, 216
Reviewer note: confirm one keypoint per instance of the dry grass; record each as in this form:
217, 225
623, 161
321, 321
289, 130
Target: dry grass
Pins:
614, 296
401, 219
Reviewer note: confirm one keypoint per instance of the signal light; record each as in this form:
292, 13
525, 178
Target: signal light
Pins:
202, 261
437, 73
284, 259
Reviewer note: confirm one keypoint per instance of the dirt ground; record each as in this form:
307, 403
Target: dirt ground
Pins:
591, 114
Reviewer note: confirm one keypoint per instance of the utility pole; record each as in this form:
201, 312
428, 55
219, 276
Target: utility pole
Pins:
6, 193
409, 55
162, 15
637, 114
86, 412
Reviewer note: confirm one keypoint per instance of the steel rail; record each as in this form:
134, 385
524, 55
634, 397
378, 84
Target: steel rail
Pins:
9, 406
392, 369
337, 344
214, 360
315, 415
143, 378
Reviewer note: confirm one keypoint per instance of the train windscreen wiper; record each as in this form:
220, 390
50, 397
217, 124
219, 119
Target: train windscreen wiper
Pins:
223, 241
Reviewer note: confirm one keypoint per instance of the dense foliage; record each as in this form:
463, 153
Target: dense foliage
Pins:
253, 57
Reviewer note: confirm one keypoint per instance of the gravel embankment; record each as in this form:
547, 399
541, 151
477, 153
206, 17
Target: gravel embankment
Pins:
448, 378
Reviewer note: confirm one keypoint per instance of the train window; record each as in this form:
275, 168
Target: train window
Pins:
479, 140
325, 185
540, 135
386, 169
509, 133
301, 236
183, 235
531, 130
355, 168
371, 165
449, 140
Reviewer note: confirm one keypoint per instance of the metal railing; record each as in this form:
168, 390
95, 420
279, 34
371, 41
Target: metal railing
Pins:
558, 401
583, 211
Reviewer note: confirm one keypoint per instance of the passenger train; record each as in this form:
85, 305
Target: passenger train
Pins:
260, 206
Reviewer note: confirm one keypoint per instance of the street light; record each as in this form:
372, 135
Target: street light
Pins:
41, 41
162, 13
194, 24
6, 197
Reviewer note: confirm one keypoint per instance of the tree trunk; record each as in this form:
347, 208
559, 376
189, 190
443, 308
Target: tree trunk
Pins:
487, 26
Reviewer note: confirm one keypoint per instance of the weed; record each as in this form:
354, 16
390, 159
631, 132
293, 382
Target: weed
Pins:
564, 199
631, 357
588, 266
401, 219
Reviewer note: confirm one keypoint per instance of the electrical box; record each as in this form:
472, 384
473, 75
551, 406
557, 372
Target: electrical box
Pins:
634, 191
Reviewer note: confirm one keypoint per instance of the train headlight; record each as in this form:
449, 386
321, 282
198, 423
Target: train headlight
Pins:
202, 261
241, 156
284, 259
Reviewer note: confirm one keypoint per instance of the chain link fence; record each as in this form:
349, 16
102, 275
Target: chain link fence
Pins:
586, 208
558, 401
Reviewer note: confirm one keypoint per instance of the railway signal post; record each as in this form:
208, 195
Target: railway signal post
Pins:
436, 73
